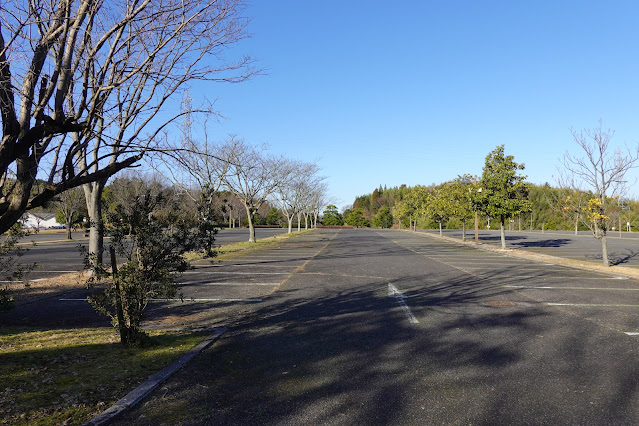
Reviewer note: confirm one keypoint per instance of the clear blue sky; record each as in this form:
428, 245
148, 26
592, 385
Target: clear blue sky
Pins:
418, 92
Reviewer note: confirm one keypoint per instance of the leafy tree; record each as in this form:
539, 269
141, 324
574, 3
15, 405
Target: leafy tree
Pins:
356, 218
401, 210
206, 227
461, 194
11, 270
152, 255
332, 217
273, 217
439, 205
504, 192
383, 218
415, 202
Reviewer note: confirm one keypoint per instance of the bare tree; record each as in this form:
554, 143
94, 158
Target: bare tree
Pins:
69, 206
313, 188
319, 200
254, 175
296, 196
601, 170
285, 199
234, 208
91, 79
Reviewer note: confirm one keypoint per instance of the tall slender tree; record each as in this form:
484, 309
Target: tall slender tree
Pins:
504, 191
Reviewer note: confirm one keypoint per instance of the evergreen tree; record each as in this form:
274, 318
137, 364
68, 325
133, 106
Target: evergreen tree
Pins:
384, 218
331, 217
273, 217
504, 192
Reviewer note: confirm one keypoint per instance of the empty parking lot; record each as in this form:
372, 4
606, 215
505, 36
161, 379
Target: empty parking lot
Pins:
365, 326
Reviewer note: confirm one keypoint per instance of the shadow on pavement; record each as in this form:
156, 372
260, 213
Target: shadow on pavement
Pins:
558, 242
498, 238
617, 258
352, 358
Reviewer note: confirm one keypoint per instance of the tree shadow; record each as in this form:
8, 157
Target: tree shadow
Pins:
498, 238
300, 359
324, 351
617, 258
557, 242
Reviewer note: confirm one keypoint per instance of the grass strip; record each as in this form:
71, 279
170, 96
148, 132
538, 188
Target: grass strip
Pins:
54, 376
228, 250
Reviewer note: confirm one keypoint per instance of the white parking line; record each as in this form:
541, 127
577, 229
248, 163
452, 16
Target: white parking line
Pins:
277, 256
233, 283
399, 296
245, 265
564, 277
593, 305
24, 281
632, 333
191, 299
570, 288
488, 266
213, 299
238, 273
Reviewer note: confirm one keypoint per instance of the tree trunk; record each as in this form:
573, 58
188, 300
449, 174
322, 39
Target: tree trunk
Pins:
305, 221
463, 231
440, 229
600, 234
620, 236
69, 237
18, 198
577, 225
299, 222
502, 233
249, 219
604, 250
290, 223
93, 196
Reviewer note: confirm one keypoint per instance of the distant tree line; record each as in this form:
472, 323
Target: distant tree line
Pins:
548, 210
589, 196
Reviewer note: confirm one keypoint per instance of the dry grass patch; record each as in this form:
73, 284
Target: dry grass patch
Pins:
24, 292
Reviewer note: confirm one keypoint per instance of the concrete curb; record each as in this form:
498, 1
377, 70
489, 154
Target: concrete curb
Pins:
139, 393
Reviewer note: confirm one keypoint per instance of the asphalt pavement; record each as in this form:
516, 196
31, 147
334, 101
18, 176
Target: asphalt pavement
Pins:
53, 254
622, 250
390, 327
